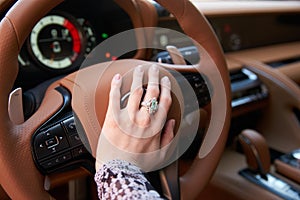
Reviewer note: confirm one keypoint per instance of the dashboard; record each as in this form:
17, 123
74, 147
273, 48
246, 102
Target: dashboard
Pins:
60, 41
244, 32
251, 31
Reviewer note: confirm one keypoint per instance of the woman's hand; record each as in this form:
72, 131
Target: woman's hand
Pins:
137, 128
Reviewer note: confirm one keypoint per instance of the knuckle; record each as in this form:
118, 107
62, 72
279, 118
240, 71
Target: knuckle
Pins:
138, 91
145, 121
133, 118
153, 90
166, 100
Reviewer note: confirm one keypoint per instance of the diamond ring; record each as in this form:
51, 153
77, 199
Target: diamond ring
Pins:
151, 105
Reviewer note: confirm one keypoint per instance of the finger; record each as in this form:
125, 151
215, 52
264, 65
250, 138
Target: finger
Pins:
164, 104
165, 99
136, 91
115, 95
153, 83
168, 133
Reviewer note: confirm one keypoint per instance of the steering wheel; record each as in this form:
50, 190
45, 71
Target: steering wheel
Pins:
21, 179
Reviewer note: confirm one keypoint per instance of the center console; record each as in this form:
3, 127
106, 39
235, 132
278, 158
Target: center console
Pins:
259, 172
289, 165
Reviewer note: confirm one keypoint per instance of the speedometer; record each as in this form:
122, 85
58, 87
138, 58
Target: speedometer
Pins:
56, 41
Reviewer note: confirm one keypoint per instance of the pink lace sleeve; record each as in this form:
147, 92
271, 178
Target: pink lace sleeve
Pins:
119, 179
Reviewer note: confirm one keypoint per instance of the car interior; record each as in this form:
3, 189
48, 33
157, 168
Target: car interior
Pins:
235, 72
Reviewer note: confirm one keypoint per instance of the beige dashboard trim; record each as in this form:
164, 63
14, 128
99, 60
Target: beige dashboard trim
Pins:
292, 71
220, 8
278, 120
269, 54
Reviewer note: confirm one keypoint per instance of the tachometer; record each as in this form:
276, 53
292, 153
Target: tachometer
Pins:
91, 41
56, 41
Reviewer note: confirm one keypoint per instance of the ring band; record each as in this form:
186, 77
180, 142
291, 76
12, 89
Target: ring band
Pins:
151, 105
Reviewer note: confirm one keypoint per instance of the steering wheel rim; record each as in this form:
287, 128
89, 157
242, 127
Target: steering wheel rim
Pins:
15, 139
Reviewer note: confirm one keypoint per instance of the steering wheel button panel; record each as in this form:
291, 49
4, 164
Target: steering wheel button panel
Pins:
69, 125
57, 144
75, 140
48, 164
57, 160
79, 151
50, 141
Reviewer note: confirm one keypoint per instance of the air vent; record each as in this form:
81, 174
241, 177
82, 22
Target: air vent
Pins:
246, 88
238, 76
282, 63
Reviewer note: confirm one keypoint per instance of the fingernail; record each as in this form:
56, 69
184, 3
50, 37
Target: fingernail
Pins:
173, 123
165, 79
139, 68
154, 68
117, 77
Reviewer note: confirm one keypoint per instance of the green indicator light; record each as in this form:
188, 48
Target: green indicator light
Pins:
104, 35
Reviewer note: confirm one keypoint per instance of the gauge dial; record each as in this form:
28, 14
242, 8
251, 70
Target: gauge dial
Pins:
55, 42
90, 35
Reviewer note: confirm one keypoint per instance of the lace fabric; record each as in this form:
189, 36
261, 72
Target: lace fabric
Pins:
118, 179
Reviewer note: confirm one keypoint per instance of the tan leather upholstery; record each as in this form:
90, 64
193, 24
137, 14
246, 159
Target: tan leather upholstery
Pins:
227, 184
278, 123
256, 151
287, 170
202, 168
17, 166
3, 195
142, 14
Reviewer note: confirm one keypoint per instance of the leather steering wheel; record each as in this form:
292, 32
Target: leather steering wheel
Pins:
19, 175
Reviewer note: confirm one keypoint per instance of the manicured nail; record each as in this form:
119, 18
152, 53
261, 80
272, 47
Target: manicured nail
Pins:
154, 68
139, 68
117, 77
173, 123
165, 79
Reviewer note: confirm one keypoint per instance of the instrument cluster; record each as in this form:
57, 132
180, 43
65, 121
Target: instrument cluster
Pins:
61, 40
